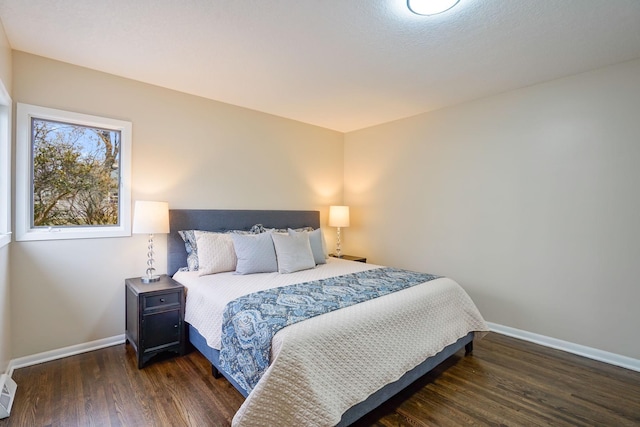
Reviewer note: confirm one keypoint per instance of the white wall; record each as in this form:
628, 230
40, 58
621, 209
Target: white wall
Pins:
5, 323
5, 312
189, 151
529, 199
5, 60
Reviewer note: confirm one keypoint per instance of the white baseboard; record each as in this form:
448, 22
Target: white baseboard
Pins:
569, 347
580, 350
60, 353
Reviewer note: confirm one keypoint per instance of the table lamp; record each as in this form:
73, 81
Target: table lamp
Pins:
150, 218
338, 217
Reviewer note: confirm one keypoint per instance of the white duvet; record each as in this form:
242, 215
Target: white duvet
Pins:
324, 365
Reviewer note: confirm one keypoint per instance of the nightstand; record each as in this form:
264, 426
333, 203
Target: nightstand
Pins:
351, 258
155, 317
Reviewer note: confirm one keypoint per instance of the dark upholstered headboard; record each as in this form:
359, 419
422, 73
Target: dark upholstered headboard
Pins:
223, 220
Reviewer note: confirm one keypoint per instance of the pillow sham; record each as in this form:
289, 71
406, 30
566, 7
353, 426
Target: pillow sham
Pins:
293, 252
191, 246
215, 252
325, 251
315, 241
255, 253
259, 228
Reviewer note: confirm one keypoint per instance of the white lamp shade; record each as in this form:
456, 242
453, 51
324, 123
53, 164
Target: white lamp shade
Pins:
151, 217
338, 216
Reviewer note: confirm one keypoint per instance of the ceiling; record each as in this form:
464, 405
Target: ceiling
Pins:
339, 64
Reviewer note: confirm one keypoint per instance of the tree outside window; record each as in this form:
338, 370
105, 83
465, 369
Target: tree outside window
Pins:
76, 174
78, 167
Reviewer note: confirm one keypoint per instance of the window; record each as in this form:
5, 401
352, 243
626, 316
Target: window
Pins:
5, 166
73, 175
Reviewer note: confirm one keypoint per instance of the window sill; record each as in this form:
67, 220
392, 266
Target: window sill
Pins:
35, 234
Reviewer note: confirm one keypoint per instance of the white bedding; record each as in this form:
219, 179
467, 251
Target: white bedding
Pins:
207, 296
324, 365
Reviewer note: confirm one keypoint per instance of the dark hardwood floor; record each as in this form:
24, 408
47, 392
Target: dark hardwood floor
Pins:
506, 382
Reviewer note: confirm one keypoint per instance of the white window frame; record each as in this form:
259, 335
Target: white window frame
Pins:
24, 184
5, 166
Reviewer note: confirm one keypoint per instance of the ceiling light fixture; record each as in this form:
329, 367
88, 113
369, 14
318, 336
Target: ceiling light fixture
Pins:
430, 7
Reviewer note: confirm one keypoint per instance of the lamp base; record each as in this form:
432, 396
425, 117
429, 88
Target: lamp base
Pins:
149, 279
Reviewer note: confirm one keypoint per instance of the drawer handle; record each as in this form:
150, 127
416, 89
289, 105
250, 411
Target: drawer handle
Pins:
175, 326
161, 299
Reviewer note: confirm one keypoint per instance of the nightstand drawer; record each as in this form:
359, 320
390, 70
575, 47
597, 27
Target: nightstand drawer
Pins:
161, 301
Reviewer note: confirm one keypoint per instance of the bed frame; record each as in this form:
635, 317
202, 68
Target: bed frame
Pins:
224, 220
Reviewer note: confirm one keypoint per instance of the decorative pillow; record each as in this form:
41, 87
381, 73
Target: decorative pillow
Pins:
315, 240
259, 228
255, 253
293, 252
215, 252
191, 246
325, 251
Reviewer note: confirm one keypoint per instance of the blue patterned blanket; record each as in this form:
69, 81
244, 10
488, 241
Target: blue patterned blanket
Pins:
250, 322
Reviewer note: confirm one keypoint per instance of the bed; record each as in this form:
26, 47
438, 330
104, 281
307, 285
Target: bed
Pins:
305, 381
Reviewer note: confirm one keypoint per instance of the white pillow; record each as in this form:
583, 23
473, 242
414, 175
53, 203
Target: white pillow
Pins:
255, 253
293, 252
215, 253
315, 240
325, 251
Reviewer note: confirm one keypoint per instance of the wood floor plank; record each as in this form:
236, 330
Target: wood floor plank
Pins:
506, 382
567, 384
